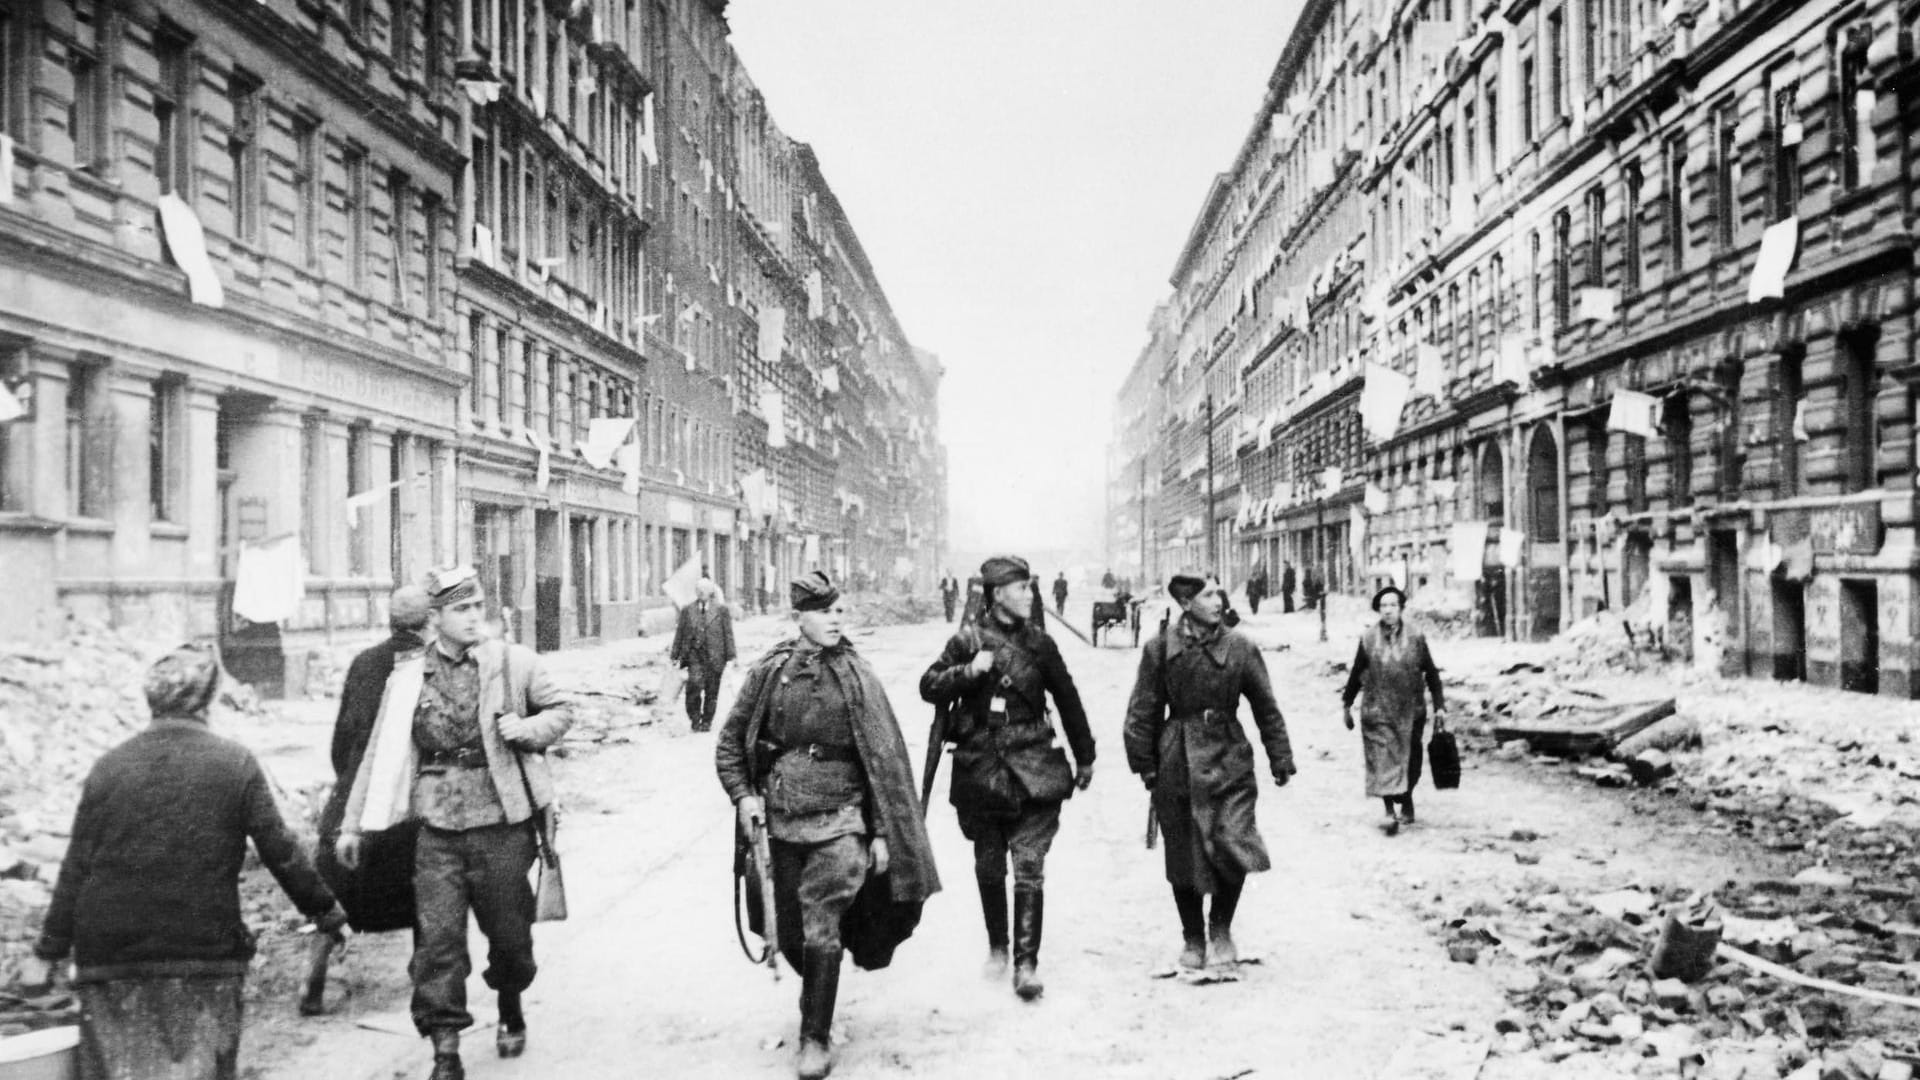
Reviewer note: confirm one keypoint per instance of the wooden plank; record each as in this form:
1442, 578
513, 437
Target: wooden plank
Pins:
1577, 732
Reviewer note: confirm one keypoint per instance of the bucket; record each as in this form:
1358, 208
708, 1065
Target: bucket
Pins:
1685, 950
50, 1054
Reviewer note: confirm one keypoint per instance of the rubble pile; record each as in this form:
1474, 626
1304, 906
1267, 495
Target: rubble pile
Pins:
613, 695
890, 609
61, 706
1580, 976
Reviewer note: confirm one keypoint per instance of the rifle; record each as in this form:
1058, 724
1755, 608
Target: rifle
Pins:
936, 738
757, 856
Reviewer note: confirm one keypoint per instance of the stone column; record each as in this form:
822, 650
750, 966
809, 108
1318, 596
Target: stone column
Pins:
200, 486
377, 521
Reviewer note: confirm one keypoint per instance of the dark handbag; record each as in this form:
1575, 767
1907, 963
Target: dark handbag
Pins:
1443, 760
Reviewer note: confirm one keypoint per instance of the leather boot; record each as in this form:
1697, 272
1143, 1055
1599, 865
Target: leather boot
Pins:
1193, 929
446, 1057
1221, 952
1027, 907
819, 986
510, 1038
993, 908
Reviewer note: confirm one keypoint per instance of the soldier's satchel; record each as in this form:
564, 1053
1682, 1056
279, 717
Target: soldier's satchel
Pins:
550, 894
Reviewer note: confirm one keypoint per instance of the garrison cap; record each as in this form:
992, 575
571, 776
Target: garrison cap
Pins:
812, 591
450, 585
1004, 570
1185, 585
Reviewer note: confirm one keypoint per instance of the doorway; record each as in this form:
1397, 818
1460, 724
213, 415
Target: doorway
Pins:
546, 580
1860, 636
1789, 630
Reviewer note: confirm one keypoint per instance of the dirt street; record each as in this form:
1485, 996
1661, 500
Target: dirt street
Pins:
646, 979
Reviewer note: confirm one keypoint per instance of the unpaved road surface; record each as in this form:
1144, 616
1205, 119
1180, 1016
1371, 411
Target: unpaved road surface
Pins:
646, 980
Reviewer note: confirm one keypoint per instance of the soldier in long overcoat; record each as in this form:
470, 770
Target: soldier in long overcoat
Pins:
1391, 667
1184, 738
812, 752
1009, 773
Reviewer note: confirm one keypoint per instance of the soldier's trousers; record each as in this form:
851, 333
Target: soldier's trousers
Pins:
480, 870
813, 886
1024, 838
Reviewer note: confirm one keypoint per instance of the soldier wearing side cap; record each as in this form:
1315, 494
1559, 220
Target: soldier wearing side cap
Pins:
485, 714
812, 752
1185, 740
1009, 774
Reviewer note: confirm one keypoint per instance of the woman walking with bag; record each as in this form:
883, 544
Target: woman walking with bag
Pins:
1389, 670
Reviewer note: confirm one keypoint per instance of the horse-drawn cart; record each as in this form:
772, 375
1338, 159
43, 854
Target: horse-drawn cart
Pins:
1121, 611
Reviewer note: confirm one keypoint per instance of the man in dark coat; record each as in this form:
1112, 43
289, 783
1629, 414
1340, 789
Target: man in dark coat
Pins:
949, 593
1256, 588
1312, 589
379, 895
1185, 740
1060, 593
1009, 776
1286, 588
812, 753
148, 898
703, 644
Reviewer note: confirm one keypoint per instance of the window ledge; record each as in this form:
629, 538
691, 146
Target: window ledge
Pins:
88, 525
168, 530
21, 521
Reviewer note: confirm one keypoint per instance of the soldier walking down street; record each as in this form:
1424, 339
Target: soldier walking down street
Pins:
812, 753
1256, 588
703, 644
1286, 588
1390, 669
148, 898
1060, 593
949, 593
485, 714
378, 895
1184, 739
1009, 776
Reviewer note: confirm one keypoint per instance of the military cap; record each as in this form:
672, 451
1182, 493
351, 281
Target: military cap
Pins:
1004, 570
812, 591
451, 584
1185, 585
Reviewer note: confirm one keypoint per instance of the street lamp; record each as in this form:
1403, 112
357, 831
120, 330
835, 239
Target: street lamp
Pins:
1320, 537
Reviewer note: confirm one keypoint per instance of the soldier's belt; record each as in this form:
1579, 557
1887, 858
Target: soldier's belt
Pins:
816, 751
467, 757
1205, 716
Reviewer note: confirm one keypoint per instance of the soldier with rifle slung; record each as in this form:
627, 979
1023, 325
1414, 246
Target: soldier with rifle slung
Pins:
1009, 776
1184, 738
811, 753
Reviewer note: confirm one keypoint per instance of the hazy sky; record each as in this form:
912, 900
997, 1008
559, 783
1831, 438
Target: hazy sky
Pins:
1022, 174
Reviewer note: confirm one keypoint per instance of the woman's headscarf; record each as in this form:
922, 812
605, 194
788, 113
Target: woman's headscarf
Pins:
182, 683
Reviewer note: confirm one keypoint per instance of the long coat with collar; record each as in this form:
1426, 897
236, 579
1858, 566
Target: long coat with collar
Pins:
378, 895
512, 680
887, 908
710, 637
1205, 768
1390, 669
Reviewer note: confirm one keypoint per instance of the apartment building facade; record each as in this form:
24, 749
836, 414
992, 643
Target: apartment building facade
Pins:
1625, 315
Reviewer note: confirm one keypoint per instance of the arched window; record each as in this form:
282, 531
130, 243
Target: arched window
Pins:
1543, 486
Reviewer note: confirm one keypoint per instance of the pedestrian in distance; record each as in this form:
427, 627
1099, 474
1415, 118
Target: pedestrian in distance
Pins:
1390, 669
148, 899
1286, 588
1060, 593
812, 753
1185, 740
1009, 773
703, 644
482, 793
1256, 588
1107, 580
949, 594
378, 895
